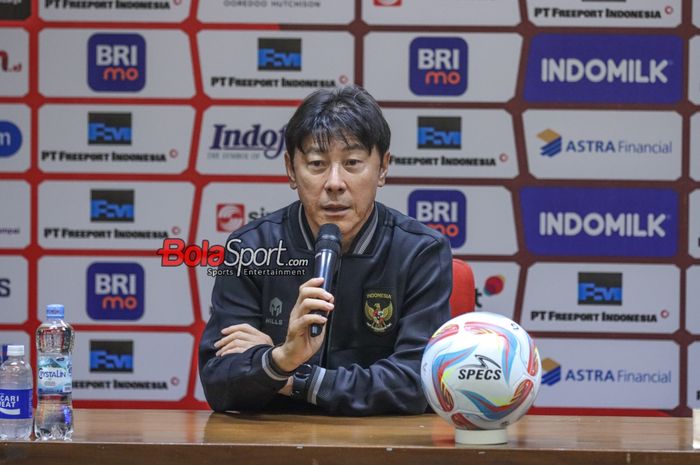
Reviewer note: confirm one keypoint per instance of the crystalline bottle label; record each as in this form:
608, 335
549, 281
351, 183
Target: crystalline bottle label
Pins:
55, 375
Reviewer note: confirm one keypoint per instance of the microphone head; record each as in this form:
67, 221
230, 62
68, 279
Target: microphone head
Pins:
329, 237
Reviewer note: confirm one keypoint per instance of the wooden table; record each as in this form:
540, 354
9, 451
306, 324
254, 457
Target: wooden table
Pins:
134, 437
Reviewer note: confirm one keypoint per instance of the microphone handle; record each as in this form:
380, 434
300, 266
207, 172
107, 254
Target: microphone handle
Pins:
324, 267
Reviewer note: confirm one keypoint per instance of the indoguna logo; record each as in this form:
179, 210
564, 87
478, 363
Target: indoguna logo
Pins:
111, 356
439, 132
116, 62
605, 69
109, 128
552, 144
107, 206
279, 54
115, 291
493, 285
600, 222
438, 66
229, 216
551, 372
10, 139
599, 288
246, 141
442, 210
6, 66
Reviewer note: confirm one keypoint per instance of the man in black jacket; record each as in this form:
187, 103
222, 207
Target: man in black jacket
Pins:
391, 289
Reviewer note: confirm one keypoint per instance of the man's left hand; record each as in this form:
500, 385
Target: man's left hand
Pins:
239, 338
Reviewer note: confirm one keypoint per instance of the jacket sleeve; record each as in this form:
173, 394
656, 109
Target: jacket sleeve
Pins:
393, 385
244, 381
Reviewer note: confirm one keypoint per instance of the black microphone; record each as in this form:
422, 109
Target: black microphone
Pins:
326, 250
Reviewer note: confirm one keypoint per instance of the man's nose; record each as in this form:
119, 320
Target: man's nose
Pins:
335, 180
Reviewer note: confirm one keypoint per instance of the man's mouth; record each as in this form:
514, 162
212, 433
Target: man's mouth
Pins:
335, 208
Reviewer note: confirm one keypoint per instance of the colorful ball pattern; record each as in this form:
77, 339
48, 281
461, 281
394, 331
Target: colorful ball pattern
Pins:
481, 371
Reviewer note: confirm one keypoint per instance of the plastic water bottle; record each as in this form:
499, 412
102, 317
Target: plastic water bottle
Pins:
15, 395
54, 344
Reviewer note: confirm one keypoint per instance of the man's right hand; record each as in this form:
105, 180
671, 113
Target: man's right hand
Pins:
299, 346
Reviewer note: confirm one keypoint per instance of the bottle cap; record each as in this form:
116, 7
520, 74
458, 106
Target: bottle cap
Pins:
15, 351
55, 312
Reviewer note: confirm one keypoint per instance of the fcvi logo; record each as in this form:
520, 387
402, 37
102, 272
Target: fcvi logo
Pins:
442, 210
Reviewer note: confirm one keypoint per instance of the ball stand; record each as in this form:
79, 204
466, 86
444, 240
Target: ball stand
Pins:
481, 437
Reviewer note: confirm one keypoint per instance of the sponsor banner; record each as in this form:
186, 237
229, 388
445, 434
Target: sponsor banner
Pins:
448, 12
14, 62
694, 68
128, 63
113, 215
694, 224
243, 140
17, 338
12, 10
14, 276
573, 68
226, 207
602, 298
605, 13
458, 67
452, 143
476, 220
693, 373
276, 11
15, 138
15, 208
593, 373
496, 284
116, 290
130, 365
600, 222
578, 144
273, 64
150, 11
692, 299
115, 138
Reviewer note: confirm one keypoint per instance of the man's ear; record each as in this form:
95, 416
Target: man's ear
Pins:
289, 166
384, 169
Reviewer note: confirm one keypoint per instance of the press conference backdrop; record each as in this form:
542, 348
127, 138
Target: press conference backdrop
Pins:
555, 142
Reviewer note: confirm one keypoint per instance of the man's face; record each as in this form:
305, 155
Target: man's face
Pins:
337, 186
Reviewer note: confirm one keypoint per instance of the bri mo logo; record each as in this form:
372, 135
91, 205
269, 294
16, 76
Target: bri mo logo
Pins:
442, 210
115, 291
116, 62
438, 66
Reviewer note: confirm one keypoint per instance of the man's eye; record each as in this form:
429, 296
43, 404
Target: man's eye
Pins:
316, 163
353, 162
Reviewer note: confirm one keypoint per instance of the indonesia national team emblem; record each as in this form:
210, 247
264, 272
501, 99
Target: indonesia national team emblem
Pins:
379, 311
438, 66
116, 62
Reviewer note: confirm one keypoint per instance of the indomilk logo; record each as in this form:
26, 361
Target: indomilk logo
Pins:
438, 66
599, 288
116, 62
10, 139
115, 291
112, 206
442, 210
552, 143
605, 68
439, 132
270, 142
109, 128
279, 54
112, 356
605, 221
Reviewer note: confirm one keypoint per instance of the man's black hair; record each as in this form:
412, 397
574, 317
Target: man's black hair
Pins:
348, 114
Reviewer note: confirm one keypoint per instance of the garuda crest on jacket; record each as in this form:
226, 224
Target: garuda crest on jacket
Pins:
379, 309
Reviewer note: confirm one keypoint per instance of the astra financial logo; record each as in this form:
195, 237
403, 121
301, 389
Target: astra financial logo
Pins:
552, 143
109, 128
600, 221
604, 69
10, 139
229, 216
279, 54
116, 62
599, 288
268, 142
111, 356
551, 372
15, 9
115, 291
439, 132
107, 206
442, 210
438, 66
